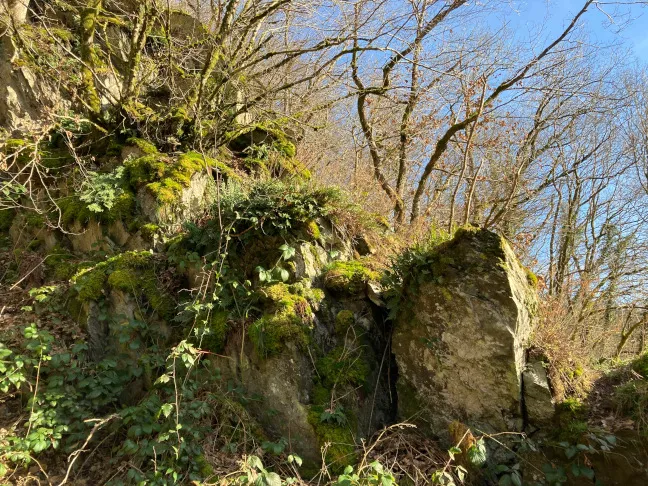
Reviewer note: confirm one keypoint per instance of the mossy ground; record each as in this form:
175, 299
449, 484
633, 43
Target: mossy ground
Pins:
632, 394
571, 420
341, 450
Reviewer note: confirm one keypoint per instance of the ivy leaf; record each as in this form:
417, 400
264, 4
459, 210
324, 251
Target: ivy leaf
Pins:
587, 472
287, 252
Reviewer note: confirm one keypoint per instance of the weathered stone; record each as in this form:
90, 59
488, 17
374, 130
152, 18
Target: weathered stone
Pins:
14, 11
118, 233
363, 246
23, 95
283, 383
538, 400
98, 332
192, 200
460, 336
87, 239
309, 260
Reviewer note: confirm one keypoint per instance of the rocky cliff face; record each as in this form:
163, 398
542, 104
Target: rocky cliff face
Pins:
274, 280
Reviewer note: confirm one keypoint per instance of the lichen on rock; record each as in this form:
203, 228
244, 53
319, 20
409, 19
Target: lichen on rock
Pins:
464, 318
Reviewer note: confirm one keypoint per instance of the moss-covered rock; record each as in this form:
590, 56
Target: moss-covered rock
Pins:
130, 272
341, 367
463, 321
289, 317
73, 210
341, 450
571, 420
343, 321
349, 277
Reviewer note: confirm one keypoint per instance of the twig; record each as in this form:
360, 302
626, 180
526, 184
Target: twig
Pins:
75, 455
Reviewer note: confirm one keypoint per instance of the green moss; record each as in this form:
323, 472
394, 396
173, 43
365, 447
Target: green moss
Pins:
166, 191
131, 272
147, 148
571, 416
632, 398
59, 264
289, 318
348, 277
51, 158
123, 209
143, 170
342, 367
35, 244
214, 336
532, 278
343, 321
341, 451
124, 279
13, 145
640, 365
89, 283
114, 148
6, 218
321, 395
165, 178
149, 231
312, 230
206, 469
74, 210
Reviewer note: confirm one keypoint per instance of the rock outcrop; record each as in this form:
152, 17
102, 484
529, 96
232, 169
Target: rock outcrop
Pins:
460, 336
538, 399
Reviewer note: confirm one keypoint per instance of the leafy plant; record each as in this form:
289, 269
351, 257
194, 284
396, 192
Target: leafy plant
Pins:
374, 474
100, 191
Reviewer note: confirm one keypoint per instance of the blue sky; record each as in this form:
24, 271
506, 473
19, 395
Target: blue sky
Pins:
630, 28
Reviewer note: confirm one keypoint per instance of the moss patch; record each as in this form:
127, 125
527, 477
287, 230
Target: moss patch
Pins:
212, 335
312, 230
288, 318
60, 264
131, 272
571, 417
349, 277
165, 178
341, 451
147, 148
74, 210
343, 321
342, 367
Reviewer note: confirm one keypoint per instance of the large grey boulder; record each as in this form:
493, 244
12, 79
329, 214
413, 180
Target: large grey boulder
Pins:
460, 336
